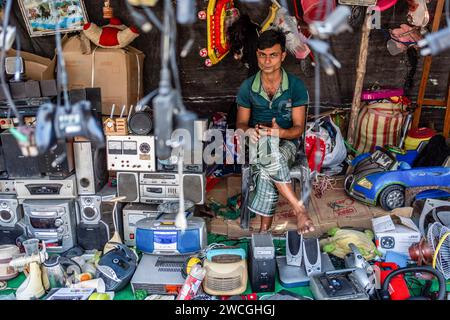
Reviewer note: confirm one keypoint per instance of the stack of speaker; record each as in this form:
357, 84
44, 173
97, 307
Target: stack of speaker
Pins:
63, 197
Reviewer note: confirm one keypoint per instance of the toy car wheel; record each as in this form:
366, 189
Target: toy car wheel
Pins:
392, 197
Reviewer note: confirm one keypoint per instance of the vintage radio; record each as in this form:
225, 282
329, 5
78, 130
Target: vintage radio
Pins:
10, 211
90, 167
132, 213
158, 187
161, 236
131, 153
57, 163
53, 221
47, 189
95, 224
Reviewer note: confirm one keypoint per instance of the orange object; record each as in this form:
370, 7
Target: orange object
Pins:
85, 276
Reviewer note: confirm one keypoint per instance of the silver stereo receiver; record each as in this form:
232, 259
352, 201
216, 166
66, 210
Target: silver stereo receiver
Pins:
159, 187
131, 153
53, 221
47, 189
132, 213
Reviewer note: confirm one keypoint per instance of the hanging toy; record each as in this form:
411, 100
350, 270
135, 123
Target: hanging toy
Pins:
108, 11
220, 13
114, 35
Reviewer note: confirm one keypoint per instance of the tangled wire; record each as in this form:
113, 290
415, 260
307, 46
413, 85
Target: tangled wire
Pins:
322, 183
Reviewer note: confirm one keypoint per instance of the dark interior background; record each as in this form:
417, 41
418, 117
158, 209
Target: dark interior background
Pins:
206, 90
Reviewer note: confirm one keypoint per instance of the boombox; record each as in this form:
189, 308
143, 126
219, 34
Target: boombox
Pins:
131, 153
10, 211
52, 221
95, 225
90, 167
161, 236
47, 189
132, 213
55, 163
158, 187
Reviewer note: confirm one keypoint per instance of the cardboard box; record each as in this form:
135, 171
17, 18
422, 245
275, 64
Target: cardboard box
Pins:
118, 72
36, 67
334, 209
395, 233
226, 188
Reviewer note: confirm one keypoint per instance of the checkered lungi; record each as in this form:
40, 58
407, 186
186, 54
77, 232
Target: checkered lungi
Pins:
272, 166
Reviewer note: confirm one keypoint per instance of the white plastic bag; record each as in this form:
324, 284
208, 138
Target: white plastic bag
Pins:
338, 152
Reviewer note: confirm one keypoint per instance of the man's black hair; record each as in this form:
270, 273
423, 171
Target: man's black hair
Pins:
269, 38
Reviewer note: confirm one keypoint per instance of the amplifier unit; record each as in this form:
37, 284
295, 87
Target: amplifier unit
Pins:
131, 153
53, 221
132, 213
158, 187
47, 189
10, 211
90, 167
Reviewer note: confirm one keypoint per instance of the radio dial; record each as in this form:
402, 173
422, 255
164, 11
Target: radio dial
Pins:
60, 230
4, 205
58, 223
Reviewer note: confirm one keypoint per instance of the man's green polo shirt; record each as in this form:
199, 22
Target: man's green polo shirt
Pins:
292, 93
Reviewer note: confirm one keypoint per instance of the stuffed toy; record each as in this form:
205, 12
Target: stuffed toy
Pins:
337, 243
114, 35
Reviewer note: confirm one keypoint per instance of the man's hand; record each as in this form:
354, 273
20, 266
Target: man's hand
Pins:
274, 130
254, 134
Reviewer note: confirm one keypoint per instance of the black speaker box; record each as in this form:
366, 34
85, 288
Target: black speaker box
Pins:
140, 123
12, 235
48, 88
93, 95
261, 273
92, 236
19, 166
96, 225
32, 89
17, 90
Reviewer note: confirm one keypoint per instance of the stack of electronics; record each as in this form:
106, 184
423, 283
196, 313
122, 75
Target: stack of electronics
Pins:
166, 249
142, 178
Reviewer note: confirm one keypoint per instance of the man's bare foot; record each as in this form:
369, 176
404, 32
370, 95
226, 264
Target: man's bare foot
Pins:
266, 223
304, 222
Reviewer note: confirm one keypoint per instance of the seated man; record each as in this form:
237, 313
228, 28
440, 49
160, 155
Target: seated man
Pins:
271, 110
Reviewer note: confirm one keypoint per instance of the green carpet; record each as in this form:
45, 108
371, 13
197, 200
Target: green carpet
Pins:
127, 293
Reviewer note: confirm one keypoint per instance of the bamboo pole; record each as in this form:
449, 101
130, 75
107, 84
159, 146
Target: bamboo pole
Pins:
360, 74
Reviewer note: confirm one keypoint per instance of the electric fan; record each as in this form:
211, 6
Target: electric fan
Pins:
438, 237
